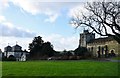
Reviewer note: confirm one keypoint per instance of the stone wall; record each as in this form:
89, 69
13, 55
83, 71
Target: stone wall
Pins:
111, 45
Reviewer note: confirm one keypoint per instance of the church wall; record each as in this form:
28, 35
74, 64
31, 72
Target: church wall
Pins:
119, 49
104, 46
95, 48
112, 45
9, 53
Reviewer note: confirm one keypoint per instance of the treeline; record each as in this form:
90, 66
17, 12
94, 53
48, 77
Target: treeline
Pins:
40, 50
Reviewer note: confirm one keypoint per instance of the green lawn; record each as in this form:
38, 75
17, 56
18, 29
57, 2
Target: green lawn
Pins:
60, 68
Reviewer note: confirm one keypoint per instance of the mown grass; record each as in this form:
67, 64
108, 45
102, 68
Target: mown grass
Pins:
0, 69
60, 68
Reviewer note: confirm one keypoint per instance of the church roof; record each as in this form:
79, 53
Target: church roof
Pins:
99, 40
17, 48
16, 45
8, 46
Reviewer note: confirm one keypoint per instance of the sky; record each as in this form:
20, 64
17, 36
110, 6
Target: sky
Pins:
22, 20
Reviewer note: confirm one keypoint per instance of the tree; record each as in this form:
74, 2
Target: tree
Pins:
102, 17
81, 51
36, 46
67, 53
47, 49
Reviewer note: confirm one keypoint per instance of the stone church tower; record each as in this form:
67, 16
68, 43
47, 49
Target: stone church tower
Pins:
99, 47
86, 37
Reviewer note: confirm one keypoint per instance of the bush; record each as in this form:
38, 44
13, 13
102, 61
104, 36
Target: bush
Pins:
4, 58
11, 58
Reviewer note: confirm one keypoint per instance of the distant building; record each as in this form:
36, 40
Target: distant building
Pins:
15, 51
99, 46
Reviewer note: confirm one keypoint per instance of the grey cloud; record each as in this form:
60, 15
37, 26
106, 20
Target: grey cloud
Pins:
15, 32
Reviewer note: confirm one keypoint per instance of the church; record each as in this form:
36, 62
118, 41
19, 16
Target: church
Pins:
15, 51
100, 47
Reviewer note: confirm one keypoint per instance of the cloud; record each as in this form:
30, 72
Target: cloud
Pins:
14, 31
27, 5
42, 6
8, 29
2, 19
77, 11
51, 18
37, 7
24, 42
60, 43
3, 4
51, 9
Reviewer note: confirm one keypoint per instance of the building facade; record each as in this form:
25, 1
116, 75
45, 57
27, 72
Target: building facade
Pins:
15, 51
100, 47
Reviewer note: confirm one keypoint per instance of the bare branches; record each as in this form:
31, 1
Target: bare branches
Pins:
101, 18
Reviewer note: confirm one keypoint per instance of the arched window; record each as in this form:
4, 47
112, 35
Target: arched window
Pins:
106, 48
102, 50
98, 49
106, 51
91, 49
12, 58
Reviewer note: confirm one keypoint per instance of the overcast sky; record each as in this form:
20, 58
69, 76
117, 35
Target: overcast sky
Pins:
22, 20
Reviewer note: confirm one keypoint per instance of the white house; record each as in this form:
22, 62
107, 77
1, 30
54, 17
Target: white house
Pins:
15, 51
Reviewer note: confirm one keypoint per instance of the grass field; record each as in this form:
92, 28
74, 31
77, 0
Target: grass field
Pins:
60, 68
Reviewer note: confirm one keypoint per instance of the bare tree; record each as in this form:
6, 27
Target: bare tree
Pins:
102, 18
